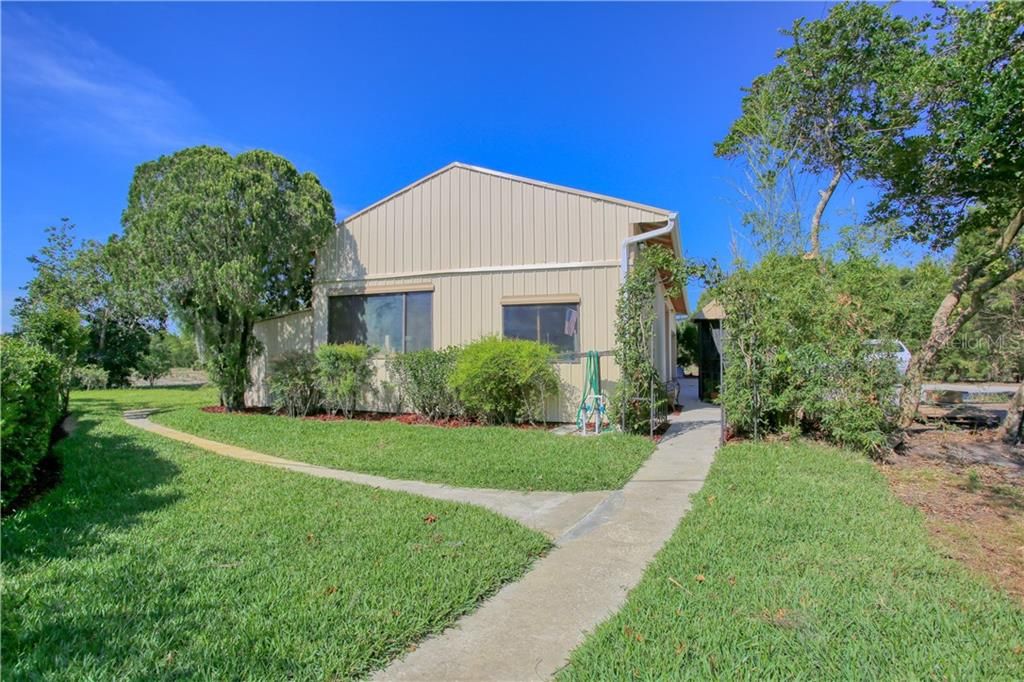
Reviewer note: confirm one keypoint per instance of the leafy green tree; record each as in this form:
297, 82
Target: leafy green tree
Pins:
837, 98
686, 343
157, 360
183, 350
55, 283
117, 346
989, 347
74, 275
957, 180
224, 241
58, 331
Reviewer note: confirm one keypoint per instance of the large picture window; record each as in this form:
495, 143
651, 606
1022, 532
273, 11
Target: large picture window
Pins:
400, 322
555, 323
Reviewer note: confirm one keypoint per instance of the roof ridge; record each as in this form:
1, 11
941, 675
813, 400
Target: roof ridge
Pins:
509, 176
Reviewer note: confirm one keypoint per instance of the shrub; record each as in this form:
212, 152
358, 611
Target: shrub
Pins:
504, 380
423, 379
796, 356
31, 408
633, 412
58, 331
635, 312
293, 386
90, 377
344, 374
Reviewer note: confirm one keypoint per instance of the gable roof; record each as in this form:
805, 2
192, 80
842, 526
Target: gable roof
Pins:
508, 176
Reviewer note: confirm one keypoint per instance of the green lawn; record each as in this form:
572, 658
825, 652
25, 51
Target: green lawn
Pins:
796, 562
476, 457
157, 560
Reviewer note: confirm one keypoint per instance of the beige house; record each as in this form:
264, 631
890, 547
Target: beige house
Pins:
468, 252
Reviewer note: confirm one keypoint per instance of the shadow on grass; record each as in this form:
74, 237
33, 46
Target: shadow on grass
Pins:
109, 481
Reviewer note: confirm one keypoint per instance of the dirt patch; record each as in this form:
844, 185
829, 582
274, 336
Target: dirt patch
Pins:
970, 488
965, 447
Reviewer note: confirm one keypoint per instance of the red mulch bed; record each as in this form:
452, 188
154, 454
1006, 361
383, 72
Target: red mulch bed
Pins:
413, 419
220, 409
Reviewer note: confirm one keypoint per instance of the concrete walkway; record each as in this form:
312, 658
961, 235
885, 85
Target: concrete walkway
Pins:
604, 541
529, 628
552, 513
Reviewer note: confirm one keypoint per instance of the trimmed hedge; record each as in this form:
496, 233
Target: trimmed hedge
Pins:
344, 374
505, 380
31, 379
292, 384
423, 380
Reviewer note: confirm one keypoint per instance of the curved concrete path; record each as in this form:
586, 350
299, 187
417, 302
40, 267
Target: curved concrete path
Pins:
552, 513
604, 541
528, 629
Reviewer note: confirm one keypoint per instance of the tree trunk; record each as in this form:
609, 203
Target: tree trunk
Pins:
1012, 428
234, 389
948, 320
819, 212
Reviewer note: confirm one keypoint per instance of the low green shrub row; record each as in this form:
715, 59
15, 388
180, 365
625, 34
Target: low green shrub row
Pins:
494, 379
32, 406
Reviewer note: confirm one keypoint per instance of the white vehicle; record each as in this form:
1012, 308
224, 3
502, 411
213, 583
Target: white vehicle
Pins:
889, 349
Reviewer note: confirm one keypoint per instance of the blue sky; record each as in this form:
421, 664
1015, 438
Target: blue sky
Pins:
625, 100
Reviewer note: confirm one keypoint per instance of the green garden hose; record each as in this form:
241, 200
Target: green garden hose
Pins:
591, 386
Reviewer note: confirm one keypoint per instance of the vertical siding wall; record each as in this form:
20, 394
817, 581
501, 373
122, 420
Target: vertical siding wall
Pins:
477, 238
278, 336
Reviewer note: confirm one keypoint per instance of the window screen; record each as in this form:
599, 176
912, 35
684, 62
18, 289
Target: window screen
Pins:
391, 322
557, 324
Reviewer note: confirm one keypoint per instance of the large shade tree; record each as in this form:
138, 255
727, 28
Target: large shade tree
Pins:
956, 182
224, 241
836, 98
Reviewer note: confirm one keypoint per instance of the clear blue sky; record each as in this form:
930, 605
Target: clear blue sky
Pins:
625, 100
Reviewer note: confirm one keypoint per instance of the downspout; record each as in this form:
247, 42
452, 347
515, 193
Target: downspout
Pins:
642, 237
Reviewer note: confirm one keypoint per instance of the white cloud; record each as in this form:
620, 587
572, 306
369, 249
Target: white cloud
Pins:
63, 79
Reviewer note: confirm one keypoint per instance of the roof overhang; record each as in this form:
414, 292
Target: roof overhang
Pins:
711, 312
668, 241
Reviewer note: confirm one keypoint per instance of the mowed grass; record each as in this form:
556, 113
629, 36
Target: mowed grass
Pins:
156, 560
474, 457
796, 562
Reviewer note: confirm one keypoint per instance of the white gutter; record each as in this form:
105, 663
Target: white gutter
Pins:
642, 237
